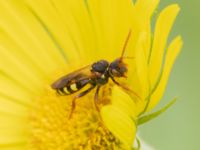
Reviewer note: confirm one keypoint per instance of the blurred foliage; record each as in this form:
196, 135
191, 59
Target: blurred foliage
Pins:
178, 129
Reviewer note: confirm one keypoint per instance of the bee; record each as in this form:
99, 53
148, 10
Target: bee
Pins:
96, 75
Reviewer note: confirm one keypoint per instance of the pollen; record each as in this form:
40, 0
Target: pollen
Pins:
52, 129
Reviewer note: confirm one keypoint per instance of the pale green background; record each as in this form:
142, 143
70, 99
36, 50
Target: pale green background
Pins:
179, 127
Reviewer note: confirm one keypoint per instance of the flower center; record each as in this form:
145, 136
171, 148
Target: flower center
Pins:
51, 127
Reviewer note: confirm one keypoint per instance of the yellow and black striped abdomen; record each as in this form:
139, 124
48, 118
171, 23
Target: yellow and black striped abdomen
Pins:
69, 89
72, 88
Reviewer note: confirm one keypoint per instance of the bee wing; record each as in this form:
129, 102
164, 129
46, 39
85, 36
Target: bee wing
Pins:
80, 74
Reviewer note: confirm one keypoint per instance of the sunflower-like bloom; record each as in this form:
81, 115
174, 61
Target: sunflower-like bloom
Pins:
42, 40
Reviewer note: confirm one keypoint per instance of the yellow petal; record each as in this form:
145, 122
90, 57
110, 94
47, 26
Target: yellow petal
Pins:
13, 129
163, 26
141, 66
14, 146
19, 72
22, 65
172, 52
49, 19
141, 42
120, 124
17, 108
123, 101
146, 6
24, 29
78, 27
10, 89
109, 17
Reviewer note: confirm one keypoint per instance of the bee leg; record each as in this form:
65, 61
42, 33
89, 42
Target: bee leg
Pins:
78, 96
125, 88
96, 97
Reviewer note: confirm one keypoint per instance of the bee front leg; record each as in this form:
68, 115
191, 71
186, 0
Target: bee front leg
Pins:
126, 88
78, 96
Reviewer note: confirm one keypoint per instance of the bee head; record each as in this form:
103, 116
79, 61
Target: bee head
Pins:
118, 68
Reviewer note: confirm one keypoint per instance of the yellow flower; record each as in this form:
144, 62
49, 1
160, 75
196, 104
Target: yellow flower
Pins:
41, 41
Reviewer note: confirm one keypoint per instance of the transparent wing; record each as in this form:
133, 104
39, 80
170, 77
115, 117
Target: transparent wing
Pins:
78, 75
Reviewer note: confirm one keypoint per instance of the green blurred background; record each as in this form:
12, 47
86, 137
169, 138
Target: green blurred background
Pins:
179, 127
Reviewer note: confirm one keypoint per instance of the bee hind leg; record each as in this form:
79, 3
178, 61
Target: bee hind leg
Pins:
76, 97
96, 97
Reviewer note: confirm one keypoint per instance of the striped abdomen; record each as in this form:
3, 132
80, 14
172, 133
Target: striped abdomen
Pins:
72, 88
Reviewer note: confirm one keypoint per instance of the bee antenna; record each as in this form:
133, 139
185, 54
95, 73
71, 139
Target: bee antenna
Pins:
128, 57
125, 45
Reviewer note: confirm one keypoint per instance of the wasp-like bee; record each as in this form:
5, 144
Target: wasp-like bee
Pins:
96, 75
